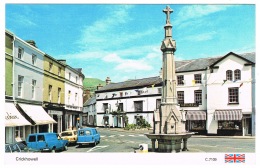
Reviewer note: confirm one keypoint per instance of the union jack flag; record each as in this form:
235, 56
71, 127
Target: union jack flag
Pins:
235, 158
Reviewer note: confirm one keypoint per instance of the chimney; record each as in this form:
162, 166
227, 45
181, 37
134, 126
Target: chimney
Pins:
99, 86
31, 42
108, 81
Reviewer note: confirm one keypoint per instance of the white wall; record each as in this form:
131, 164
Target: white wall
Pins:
24, 67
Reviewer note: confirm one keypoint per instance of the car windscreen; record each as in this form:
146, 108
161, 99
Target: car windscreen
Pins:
66, 134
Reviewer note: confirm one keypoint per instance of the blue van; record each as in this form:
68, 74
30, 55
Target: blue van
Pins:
88, 136
46, 142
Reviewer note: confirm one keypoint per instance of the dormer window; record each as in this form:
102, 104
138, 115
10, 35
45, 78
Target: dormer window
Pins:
229, 75
237, 74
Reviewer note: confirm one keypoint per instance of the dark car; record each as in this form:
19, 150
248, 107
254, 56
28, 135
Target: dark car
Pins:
17, 147
88, 136
46, 142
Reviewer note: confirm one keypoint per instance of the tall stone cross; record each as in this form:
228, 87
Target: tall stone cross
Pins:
168, 11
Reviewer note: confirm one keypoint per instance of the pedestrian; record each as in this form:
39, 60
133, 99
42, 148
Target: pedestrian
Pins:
18, 139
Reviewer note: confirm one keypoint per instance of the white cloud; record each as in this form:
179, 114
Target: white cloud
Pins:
201, 37
196, 11
112, 58
133, 65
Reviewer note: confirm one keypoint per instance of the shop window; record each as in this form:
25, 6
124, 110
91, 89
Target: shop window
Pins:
235, 125
198, 125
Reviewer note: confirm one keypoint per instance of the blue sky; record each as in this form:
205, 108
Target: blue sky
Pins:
123, 41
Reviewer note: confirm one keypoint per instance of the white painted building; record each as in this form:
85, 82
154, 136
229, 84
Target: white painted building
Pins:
217, 94
73, 97
133, 98
89, 116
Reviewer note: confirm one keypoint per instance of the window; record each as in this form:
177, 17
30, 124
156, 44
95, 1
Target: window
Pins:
40, 138
229, 75
138, 105
76, 79
180, 79
59, 71
120, 107
50, 66
76, 96
197, 78
198, 96
19, 132
20, 85
33, 88
121, 94
105, 107
34, 58
180, 95
32, 138
158, 103
159, 90
69, 96
59, 92
20, 53
237, 74
69, 76
233, 95
50, 92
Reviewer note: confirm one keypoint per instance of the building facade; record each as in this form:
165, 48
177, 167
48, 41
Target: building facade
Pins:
54, 91
27, 94
216, 94
74, 97
35, 90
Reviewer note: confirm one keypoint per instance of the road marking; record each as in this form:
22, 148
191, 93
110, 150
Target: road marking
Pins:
112, 136
102, 136
97, 148
141, 135
131, 135
121, 135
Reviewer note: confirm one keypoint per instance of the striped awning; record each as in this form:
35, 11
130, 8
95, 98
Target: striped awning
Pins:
196, 115
229, 114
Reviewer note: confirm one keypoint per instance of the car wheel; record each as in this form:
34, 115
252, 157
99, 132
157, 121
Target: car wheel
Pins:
65, 148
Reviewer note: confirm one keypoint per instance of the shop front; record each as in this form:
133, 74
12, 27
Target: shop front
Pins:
15, 123
38, 116
229, 122
196, 121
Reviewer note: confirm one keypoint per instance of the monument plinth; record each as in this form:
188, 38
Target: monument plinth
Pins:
169, 122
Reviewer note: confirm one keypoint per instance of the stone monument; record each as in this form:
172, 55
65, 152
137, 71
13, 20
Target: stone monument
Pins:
169, 122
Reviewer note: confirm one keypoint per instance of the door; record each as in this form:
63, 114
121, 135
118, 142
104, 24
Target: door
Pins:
248, 126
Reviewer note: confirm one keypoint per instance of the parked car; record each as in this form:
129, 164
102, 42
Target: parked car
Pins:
88, 136
70, 135
46, 142
17, 147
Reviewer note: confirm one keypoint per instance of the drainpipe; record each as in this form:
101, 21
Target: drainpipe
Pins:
13, 86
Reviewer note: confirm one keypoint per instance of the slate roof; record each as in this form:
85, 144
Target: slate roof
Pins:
181, 66
90, 101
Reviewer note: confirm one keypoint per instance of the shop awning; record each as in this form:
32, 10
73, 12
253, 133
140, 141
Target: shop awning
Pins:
229, 114
37, 114
13, 117
196, 115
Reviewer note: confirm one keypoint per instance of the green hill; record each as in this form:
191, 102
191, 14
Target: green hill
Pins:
92, 83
